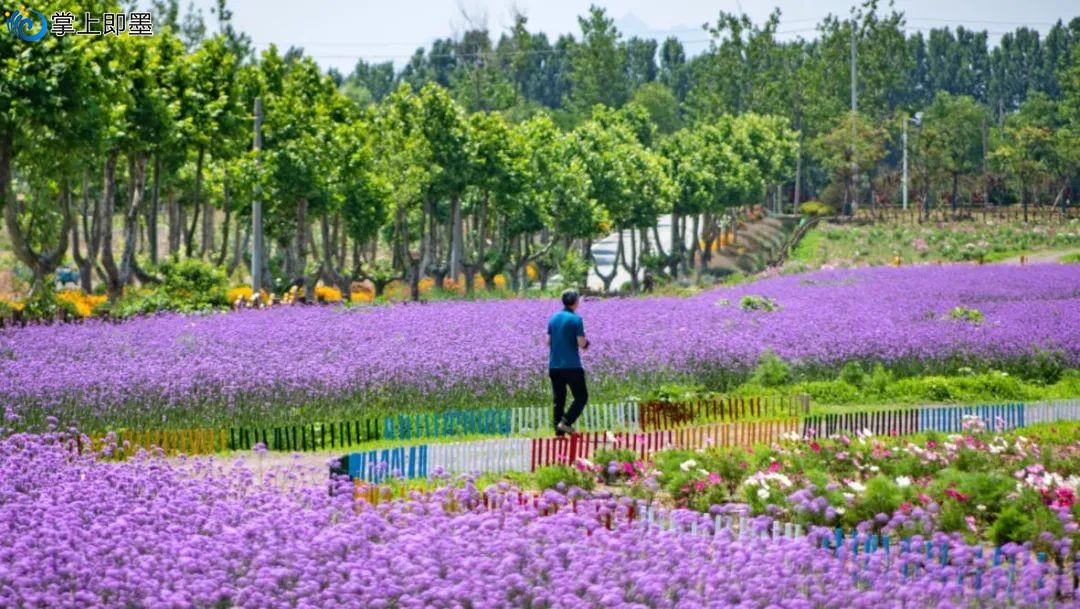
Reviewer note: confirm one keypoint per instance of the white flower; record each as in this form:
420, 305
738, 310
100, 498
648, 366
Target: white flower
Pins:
703, 472
981, 507
903, 481
763, 493
856, 486
849, 496
874, 468
688, 465
840, 510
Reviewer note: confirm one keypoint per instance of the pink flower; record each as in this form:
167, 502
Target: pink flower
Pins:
714, 478
774, 467
814, 446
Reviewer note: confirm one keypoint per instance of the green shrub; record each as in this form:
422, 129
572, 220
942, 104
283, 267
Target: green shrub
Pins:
952, 516
882, 496
829, 392
552, 476
194, 285
974, 316
45, 305
852, 374
880, 379
1012, 526
771, 371
619, 455
815, 208
1045, 367
751, 302
139, 302
1072, 258
674, 392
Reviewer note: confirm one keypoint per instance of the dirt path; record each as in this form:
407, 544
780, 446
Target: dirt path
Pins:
1040, 257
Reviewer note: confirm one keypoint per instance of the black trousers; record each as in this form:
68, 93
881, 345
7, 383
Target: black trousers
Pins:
560, 379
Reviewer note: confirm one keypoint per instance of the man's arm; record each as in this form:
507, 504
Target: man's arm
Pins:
581, 340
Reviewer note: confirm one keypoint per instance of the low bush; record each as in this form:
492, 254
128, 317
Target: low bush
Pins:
771, 371
751, 302
815, 208
563, 478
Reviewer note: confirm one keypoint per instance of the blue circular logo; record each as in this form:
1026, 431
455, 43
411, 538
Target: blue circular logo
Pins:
21, 24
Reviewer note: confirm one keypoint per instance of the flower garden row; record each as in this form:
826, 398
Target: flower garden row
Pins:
83, 532
504, 422
295, 365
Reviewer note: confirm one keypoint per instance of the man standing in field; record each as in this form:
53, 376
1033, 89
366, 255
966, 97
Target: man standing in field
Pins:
566, 334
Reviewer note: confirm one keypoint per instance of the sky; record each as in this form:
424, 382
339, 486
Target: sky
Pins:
338, 32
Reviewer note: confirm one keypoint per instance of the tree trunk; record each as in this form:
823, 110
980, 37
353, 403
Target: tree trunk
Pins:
108, 261
695, 249
457, 237
798, 177
207, 244
152, 214
240, 245
189, 244
176, 223
89, 231
137, 173
955, 190
40, 263
329, 269
631, 265
225, 225
607, 279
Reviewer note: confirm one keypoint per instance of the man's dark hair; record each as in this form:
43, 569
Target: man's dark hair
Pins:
570, 297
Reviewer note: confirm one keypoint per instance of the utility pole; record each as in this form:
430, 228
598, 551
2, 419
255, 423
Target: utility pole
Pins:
854, 109
257, 254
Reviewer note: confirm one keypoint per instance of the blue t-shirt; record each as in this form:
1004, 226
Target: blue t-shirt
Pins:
564, 327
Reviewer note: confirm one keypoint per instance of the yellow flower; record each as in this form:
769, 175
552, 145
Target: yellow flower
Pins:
500, 281
82, 303
242, 292
325, 293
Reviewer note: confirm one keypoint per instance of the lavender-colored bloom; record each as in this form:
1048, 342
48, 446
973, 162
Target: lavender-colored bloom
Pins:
217, 368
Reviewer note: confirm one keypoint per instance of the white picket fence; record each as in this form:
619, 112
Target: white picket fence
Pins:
1051, 411
483, 456
595, 417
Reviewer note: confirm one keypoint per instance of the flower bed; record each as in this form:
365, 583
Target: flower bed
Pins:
1018, 487
298, 364
80, 532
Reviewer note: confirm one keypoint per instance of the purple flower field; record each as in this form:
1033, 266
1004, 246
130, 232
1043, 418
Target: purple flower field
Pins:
292, 361
79, 532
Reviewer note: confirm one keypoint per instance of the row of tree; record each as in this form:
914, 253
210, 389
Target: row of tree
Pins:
469, 161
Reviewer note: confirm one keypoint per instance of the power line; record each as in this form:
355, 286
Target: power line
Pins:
554, 51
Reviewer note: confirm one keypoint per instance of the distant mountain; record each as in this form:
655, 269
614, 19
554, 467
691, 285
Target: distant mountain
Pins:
694, 38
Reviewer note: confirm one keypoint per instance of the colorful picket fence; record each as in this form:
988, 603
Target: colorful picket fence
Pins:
300, 438
742, 433
170, 441
899, 422
672, 415
376, 466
